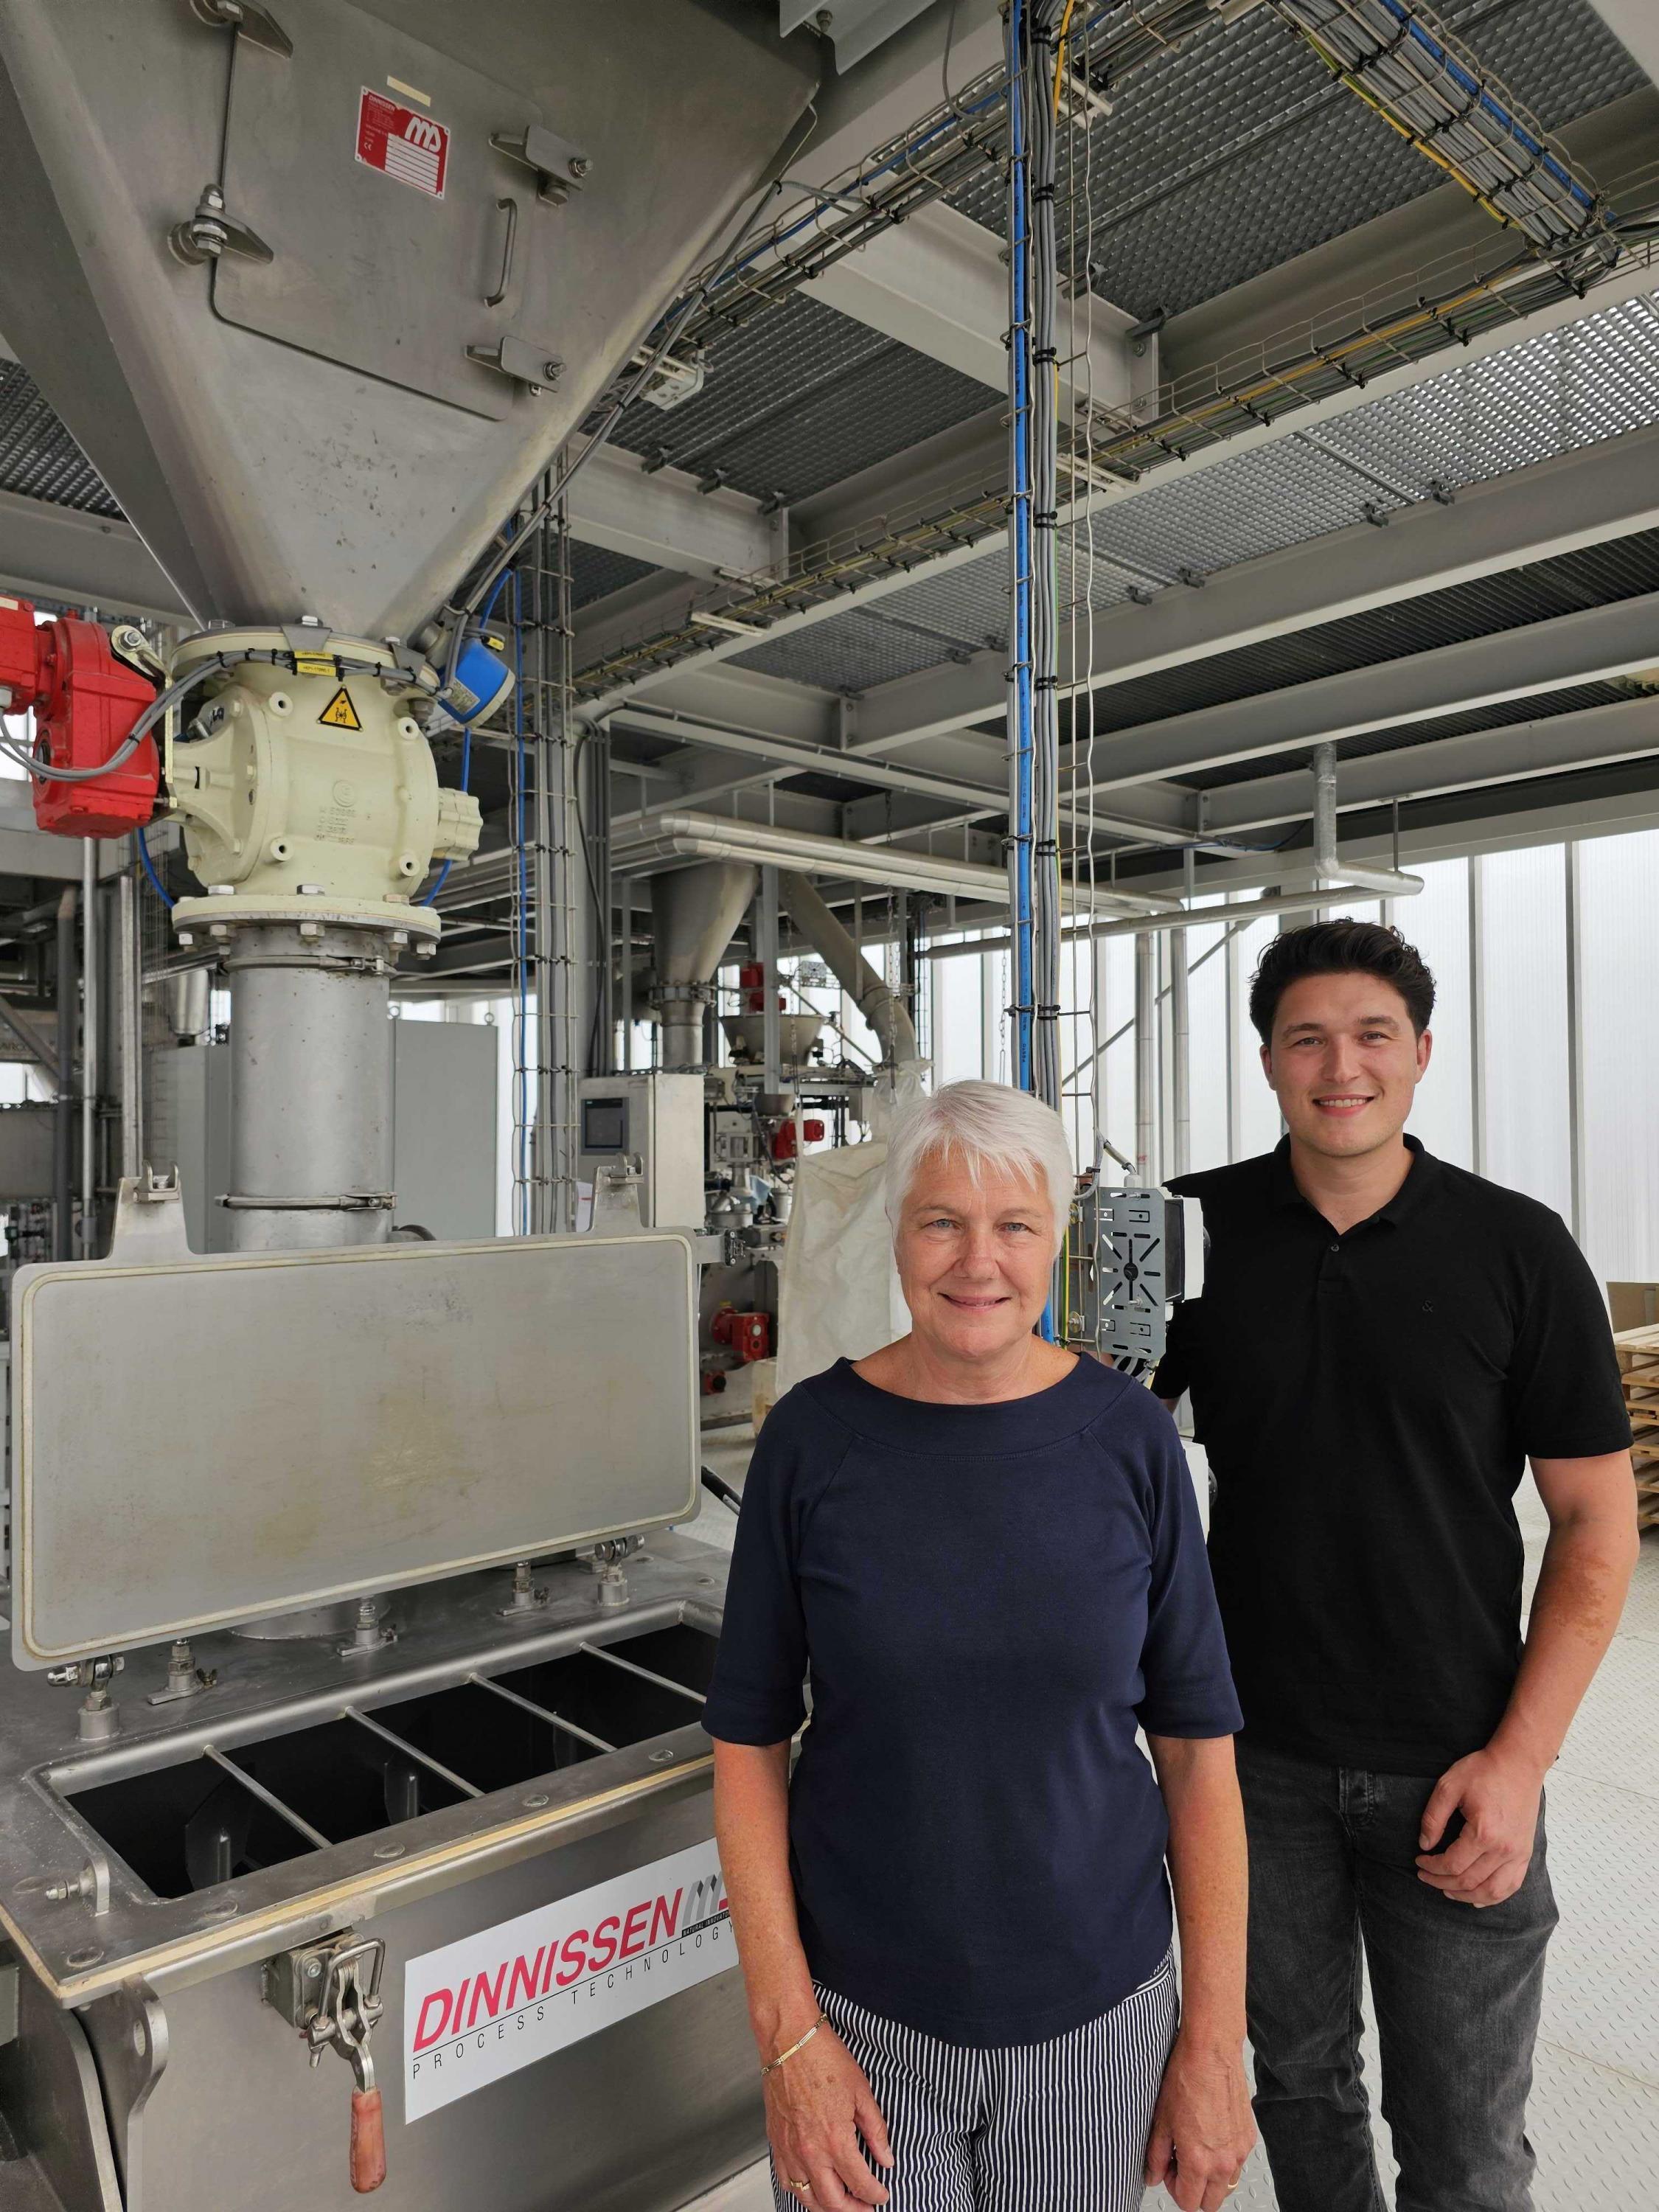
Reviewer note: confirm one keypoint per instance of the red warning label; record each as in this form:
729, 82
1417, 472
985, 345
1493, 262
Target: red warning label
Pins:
402, 143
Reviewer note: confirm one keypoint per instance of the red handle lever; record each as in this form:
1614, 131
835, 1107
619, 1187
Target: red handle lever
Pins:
367, 2141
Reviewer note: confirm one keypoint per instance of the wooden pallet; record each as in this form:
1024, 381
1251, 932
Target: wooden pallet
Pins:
1638, 1366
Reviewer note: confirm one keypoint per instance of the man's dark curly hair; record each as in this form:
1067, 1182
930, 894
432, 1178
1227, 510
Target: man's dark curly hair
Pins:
1341, 948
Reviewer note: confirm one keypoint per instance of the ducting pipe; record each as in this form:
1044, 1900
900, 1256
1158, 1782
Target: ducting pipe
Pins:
672, 837
882, 1007
1328, 868
693, 912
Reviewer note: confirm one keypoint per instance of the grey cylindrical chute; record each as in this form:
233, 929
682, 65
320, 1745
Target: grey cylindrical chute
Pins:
311, 1091
882, 1007
693, 912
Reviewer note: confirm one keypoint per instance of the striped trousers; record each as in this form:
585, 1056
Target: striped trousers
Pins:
1034, 2127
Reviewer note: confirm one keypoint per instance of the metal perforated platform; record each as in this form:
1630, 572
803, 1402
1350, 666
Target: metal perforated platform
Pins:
1552, 394
1593, 2119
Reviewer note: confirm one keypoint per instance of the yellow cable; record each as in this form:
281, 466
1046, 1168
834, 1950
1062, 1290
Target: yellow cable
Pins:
1060, 57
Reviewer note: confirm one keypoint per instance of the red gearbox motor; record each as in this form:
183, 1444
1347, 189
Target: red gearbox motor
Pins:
85, 699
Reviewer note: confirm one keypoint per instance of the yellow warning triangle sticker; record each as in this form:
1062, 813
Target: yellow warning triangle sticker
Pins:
340, 714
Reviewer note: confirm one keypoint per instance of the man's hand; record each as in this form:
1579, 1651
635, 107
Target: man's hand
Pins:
1202, 2131
818, 2105
1497, 1795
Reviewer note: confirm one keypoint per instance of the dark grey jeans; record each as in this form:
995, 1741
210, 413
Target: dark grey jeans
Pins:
1456, 1991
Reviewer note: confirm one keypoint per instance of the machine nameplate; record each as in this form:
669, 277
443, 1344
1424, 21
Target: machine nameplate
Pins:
512, 1994
211, 1440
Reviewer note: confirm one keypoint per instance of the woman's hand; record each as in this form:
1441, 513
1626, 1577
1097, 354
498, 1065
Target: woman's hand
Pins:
1202, 2130
818, 2105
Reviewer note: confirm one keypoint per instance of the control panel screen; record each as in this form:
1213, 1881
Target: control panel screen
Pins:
605, 1124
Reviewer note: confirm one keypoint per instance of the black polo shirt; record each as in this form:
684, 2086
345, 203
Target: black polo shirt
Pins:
1368, 1402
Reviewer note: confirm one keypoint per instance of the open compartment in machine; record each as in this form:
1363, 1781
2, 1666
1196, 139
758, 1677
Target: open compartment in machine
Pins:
237, 1809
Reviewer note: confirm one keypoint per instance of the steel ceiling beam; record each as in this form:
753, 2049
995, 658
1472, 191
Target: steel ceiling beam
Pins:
1553, 746
1513, 664
937, 283
659, 516
1583, 498
51, 552
1635, 24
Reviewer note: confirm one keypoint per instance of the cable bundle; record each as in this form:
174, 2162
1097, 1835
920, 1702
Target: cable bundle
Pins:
1395, 60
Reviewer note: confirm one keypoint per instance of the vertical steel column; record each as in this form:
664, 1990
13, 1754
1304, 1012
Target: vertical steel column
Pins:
1146, 1061
91, 1013
766, 949
129, 979
1181, 1103
1235, 1100
63, 1125
1575, 1040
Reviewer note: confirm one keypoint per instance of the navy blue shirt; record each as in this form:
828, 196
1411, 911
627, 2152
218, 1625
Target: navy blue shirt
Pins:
990, 1598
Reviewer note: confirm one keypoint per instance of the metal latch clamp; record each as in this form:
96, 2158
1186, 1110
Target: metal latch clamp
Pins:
331, 1992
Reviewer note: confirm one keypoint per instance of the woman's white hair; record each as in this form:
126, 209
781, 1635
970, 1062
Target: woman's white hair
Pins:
984, 1125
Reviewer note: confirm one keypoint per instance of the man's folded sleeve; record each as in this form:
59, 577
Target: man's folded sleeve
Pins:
756, 1695
1566, 1396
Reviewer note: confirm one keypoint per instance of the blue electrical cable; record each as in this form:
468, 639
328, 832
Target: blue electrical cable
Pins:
518, 929
156, 883
1472, 85
1021, 735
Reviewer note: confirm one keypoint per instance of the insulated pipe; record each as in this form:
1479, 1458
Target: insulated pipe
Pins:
1387, 883
715, 837
883, 1008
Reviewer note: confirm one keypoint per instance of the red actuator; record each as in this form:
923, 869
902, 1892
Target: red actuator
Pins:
85, 700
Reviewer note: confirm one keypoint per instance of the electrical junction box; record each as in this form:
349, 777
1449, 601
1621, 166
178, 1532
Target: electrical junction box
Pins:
654, 1121
1133, 1254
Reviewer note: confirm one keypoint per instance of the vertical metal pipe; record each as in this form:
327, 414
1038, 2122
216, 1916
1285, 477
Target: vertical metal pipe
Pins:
310, 1090
1181, 1103
1145, 1059
1235, 1057
91, 1015
62, 1178
1575, 1040
767, 948
129, 979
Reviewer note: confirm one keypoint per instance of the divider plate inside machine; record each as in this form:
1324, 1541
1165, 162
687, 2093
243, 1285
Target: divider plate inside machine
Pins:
207, 1441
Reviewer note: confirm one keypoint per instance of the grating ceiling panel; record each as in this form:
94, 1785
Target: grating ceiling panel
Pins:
595, 572
802, 398
38, 459
1546, 396
1570, 387
1239, 151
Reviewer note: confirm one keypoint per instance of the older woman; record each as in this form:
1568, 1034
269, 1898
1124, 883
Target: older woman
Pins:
955, 1927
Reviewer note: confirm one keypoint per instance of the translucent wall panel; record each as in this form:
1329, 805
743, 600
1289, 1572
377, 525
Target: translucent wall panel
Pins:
1618, 966
959, 1025
1526, 1140
1436, 922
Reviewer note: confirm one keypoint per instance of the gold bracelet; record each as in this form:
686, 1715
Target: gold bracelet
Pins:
771, 2065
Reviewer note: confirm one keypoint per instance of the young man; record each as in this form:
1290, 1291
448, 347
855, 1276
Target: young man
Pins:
1381, 1341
